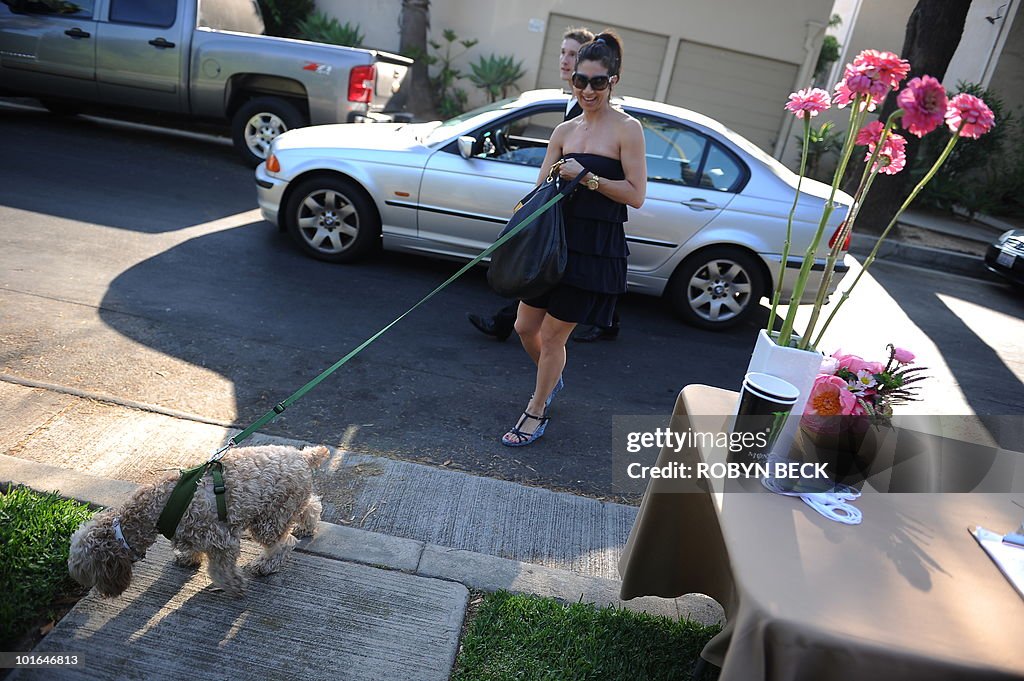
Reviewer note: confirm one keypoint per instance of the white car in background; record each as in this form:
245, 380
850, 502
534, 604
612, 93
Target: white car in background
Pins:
709, 236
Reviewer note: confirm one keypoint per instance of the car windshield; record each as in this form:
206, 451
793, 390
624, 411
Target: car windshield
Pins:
467, 121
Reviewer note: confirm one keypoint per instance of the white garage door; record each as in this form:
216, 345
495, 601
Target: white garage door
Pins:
641, 63
743, 91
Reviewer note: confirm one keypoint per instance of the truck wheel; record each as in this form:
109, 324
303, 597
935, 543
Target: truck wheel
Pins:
332, 219
716, 288
258, 122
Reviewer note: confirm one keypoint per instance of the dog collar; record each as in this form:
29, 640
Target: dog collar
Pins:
119, 535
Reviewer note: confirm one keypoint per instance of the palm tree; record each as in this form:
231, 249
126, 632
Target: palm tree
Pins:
414, 23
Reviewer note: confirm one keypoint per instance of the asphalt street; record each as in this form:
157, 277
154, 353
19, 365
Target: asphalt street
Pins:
135, 265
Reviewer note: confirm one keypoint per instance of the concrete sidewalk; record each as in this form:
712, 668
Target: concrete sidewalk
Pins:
380, 593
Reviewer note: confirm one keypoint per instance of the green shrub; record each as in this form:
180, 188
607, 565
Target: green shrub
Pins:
320, 28
451, 100
282, 17
495, 75
35, 531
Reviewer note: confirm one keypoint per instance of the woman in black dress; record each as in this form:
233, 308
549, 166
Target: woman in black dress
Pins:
609, 144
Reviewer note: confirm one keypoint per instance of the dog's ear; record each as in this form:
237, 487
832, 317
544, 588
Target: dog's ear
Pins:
315, 456
114, 575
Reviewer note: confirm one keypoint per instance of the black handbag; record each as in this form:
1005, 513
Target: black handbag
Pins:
532, 261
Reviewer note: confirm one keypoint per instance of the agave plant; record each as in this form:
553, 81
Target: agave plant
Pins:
495, 75
320, 28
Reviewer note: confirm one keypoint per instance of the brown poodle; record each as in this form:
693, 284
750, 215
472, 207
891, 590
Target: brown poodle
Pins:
269, 493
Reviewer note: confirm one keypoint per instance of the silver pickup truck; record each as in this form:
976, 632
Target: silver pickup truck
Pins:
197, 58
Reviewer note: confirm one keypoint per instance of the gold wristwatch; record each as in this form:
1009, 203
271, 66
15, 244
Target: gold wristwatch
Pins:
593, 182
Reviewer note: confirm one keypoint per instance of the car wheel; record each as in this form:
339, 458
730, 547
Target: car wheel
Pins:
258, 122
716, 288
332, 219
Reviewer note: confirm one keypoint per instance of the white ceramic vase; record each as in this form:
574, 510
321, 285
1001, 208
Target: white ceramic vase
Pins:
798, 367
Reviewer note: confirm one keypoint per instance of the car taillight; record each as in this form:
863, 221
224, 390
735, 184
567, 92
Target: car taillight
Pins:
273, 165
835, 235
361, 82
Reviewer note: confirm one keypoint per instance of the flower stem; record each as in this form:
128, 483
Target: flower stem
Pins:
866, 179
786, 333
892, 223
789, 227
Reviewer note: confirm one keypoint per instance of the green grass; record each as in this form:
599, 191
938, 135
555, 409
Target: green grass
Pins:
35, 530
531, 638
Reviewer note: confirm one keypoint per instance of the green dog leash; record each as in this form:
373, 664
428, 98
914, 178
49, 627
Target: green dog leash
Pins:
184, 490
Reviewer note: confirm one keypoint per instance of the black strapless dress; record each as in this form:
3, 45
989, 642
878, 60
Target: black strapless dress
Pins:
595, 271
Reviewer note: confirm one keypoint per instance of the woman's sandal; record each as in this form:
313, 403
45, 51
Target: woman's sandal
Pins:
558, 387
523, 439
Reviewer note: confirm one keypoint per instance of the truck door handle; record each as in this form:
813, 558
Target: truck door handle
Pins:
699, 204
76, 33
161, 43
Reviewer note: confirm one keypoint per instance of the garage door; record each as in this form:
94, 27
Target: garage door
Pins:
743, 91
641, 66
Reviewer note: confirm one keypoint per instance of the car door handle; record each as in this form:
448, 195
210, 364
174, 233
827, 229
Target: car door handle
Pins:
161, 43
700, 204
77, 33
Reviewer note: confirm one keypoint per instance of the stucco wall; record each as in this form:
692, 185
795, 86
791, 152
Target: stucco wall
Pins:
1008, 77
777, 29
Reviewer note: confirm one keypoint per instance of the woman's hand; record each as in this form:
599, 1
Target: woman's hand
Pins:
570, 169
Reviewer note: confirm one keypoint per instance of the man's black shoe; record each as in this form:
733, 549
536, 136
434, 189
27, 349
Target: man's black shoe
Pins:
596, 333
488, 326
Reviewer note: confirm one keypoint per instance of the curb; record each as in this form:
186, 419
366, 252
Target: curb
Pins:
338, 542
935, 259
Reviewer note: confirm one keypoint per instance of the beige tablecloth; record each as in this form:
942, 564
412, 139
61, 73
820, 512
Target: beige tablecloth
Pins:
908, 594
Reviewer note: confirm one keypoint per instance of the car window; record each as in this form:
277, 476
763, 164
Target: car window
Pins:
677, 154
522, 140
79, 10
145, 12
240, 16
720, 170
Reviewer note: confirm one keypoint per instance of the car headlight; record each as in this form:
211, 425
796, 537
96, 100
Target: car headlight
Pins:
1004, 236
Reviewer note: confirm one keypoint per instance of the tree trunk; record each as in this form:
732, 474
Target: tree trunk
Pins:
933, 34
415, 95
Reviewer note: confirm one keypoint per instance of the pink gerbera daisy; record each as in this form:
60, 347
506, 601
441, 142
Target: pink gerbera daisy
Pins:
808, 102
924, 105
884, 67
970, 112
869, 134
893, 156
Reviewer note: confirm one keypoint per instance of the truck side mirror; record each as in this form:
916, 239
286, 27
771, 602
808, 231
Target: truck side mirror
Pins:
466, 146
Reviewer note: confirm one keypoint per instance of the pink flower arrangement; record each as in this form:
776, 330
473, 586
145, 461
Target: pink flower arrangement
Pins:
848, 385
923, 107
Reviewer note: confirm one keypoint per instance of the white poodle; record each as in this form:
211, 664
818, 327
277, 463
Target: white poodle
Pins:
269, 493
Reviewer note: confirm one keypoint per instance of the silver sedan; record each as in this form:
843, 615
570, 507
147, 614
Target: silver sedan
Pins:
709, 236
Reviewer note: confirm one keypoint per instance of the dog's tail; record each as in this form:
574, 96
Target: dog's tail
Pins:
315, 456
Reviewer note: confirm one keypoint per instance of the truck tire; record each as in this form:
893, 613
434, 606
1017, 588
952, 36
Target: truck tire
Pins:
332, 219
260, 120
717, 287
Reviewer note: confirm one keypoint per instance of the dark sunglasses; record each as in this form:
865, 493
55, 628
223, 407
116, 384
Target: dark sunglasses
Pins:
598, 83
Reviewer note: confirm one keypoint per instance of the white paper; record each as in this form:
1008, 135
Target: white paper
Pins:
1010, 559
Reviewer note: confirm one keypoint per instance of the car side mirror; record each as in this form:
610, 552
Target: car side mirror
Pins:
466, 146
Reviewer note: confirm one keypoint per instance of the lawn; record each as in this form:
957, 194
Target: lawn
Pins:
530, 638
35, 588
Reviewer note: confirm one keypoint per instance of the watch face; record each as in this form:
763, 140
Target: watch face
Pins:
592, 183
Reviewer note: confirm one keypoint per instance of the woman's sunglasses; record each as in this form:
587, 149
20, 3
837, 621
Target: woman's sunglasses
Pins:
598, 83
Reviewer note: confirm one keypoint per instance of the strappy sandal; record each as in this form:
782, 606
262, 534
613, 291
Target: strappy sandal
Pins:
558, 387
523, 439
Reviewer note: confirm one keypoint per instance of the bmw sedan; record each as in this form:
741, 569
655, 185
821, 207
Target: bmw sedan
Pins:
1005, 256
709, 236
